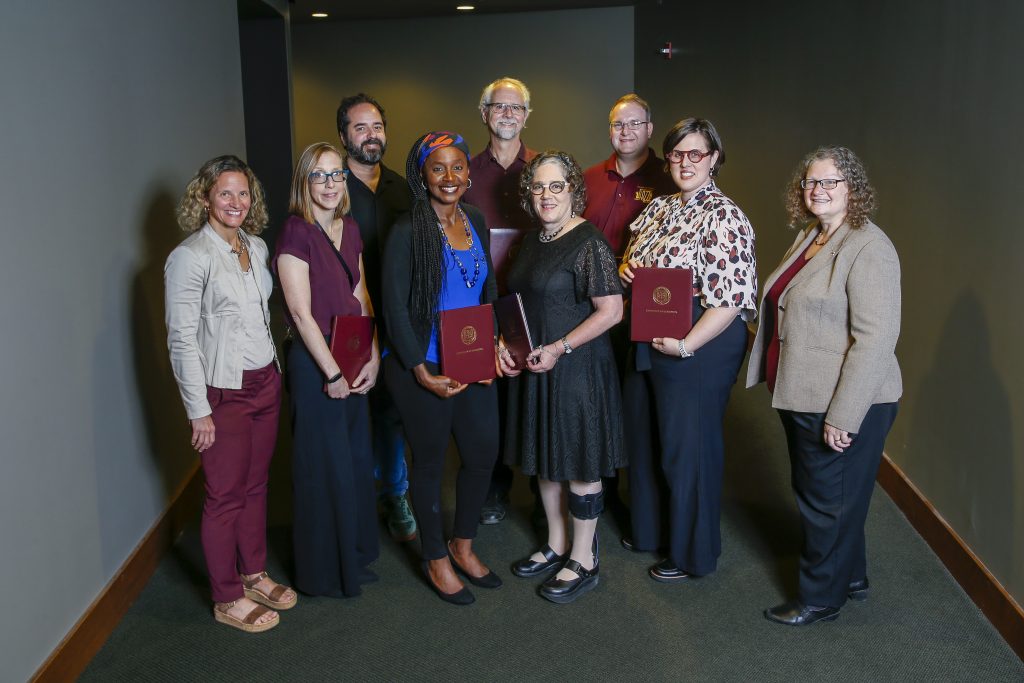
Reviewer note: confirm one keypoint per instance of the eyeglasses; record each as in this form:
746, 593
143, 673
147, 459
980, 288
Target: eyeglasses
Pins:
675, 156
320, 177
617, 126
507, 108
554, 187
826, 184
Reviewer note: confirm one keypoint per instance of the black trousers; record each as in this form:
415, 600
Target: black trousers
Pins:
429, 421
833, 492
674, 409
335, 524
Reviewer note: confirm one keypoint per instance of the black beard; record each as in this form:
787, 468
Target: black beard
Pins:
363, 157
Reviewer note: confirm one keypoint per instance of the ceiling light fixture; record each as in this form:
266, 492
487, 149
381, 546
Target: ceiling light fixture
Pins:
319, 15
465, 8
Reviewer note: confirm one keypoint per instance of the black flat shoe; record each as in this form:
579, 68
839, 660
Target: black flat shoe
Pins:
528, 568
796, 613
564, 591
488, 580
463, 597
666, 572
859, 590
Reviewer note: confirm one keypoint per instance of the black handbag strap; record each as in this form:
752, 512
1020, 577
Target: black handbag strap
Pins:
348, 271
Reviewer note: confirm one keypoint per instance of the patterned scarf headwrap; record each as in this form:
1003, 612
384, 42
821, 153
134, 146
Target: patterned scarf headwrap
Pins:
437, 140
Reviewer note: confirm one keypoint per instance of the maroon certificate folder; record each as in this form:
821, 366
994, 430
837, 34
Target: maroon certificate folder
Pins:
504, 247
514, 330
351, 343
466, 341
662, 303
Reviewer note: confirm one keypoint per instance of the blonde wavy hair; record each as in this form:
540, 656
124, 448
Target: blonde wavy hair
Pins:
860, 203
192, 212
300, 201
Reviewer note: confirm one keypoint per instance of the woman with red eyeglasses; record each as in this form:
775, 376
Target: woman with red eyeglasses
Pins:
676, 390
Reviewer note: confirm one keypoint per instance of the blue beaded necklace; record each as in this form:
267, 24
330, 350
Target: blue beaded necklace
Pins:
472, 250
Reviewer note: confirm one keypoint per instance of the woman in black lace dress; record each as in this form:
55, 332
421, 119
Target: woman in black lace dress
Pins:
564, 408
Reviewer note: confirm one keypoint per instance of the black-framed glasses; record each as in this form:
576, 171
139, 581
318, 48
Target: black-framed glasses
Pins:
554, 187
320, 177
826, 183
507, 108
617, 126
675, 156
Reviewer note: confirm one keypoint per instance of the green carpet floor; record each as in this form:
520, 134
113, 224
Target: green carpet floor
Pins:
918, 624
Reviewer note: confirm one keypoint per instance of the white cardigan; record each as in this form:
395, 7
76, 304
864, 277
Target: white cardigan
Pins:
205, 297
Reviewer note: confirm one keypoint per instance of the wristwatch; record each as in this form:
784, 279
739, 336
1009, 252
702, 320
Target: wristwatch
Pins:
565, 346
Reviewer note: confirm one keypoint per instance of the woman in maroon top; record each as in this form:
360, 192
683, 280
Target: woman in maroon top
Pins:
318, 259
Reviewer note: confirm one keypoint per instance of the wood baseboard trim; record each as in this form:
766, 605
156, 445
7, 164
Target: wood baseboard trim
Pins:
970, 572
91, 631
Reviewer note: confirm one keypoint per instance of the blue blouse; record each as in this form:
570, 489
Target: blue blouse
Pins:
454, 292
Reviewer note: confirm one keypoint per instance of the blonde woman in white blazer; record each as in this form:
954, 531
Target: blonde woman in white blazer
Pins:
218, 333
829, 322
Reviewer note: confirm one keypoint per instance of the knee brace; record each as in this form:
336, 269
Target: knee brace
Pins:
587, 506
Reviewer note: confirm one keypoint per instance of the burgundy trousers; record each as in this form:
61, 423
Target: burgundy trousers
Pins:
236, 466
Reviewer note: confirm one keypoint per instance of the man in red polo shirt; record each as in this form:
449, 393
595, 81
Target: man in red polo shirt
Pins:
494, 172
504, 108
621, 186
618, 189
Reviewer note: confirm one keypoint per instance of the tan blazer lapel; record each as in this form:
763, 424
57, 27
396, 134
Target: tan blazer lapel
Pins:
823, 259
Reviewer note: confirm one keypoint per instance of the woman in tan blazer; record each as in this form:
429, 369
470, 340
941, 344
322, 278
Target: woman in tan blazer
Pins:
830, 318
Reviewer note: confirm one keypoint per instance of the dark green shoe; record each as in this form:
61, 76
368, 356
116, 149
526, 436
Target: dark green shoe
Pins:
399, 517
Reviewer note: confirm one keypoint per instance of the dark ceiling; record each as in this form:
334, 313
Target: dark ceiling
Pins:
351, 10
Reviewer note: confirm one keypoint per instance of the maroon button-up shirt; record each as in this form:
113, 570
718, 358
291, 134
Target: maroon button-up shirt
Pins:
613, 202
495, 189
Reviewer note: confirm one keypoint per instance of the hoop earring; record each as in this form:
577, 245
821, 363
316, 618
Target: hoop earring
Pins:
469, 183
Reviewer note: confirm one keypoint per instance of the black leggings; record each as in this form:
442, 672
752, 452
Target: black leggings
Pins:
429, 421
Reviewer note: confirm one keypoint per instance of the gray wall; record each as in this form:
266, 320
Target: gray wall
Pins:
106, 116
428, 74
928, 94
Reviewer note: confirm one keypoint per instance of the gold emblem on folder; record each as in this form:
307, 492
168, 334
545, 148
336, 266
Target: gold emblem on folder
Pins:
468, 335
662, 295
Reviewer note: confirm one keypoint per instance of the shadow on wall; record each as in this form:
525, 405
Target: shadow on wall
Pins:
961, 438
165, 423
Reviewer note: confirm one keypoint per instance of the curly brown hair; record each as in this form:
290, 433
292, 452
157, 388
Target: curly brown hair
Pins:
860, 202
570, 169
192, 213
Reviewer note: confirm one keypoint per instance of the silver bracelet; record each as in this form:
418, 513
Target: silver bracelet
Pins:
683, 353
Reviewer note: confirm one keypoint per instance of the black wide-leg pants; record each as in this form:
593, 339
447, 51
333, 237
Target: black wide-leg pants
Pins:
674, 411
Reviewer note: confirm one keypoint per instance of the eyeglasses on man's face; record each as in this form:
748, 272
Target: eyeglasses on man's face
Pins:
617, 126
554, 187
320, 177
507, 108
695, 156
826, 183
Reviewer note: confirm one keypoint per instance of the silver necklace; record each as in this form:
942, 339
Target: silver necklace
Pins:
549, 236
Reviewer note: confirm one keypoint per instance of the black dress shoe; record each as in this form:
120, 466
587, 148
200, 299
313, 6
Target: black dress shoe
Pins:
563, 591
495, 509
796, 613
859, 590
463, 597
488, 580
527, 568
666, 572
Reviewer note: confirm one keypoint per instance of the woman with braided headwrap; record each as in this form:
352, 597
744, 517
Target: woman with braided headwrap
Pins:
436, 260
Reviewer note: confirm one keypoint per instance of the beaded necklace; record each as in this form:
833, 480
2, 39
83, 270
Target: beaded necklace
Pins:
474, 252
